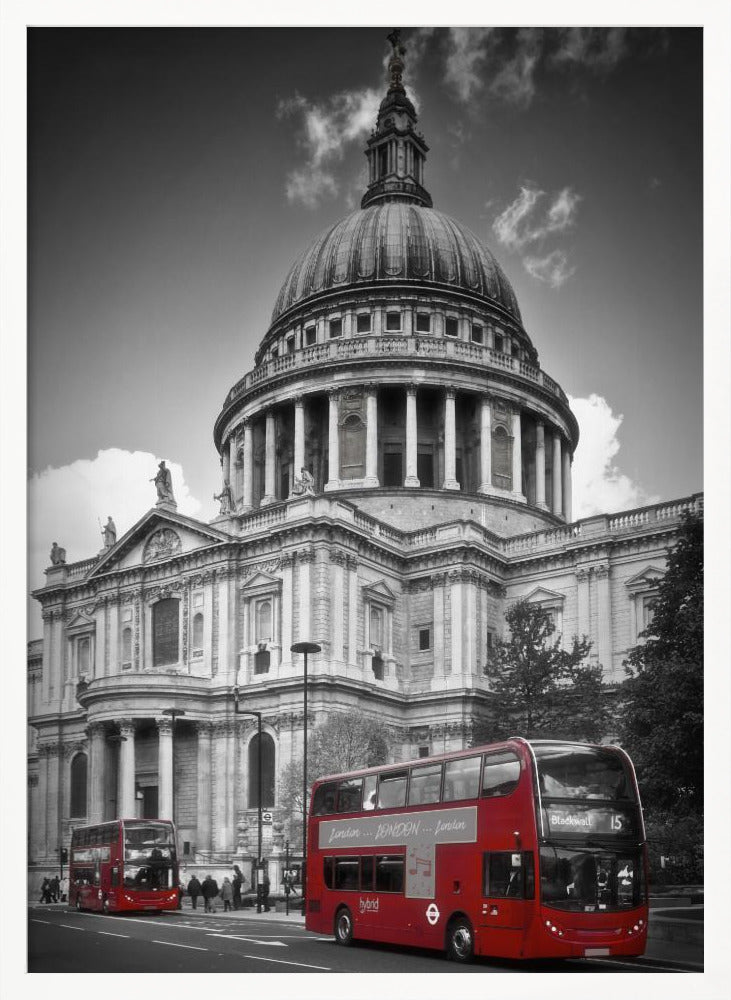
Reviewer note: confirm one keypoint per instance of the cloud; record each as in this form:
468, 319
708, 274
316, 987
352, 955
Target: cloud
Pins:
514, 83
553, 269
527, 222
598, 487
66, 504
327, 128
598, 49
466, 53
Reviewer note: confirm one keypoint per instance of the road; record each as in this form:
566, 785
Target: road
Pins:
62, 940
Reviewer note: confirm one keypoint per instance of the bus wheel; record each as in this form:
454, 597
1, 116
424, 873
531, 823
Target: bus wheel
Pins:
344, 927
460, 943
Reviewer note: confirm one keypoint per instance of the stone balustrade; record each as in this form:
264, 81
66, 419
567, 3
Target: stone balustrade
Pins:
380, 346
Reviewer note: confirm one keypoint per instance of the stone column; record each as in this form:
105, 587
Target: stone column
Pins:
96, 777
411, 437
53, 798
556, 474
299, 436
287, 607
567, 483
165, 775
450, 443
517, 454
305, 560
485, 446
604, 620
270, 460
127, 768
540, 466
437, 581
248, 484
226, 461
352, 564
371, 436
582, 601
204, 731
46, 668
337, 598
455, 582
333, 439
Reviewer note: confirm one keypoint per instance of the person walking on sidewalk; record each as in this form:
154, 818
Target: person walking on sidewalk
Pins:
55, 888
238, 884
210, 891
227, 894
265, 891
45, 891
194, 891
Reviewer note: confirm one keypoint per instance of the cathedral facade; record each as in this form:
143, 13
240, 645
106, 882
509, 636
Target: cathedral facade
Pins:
396, 470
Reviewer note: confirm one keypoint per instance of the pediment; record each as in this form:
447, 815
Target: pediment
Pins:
157, 537
648, 579
379, 591
262, 581
542, 595
80, 623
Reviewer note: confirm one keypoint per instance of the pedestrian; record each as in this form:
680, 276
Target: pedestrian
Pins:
210, 891
64, 889
45, 891
227, 894
265, 891
55, 888
194, 891
238, 882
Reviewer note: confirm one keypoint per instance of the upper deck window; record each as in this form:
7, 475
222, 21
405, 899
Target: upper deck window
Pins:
461, 779
500, 773
574, 772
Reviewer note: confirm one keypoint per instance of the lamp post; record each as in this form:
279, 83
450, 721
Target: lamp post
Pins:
173, 714
247, 711
304, 647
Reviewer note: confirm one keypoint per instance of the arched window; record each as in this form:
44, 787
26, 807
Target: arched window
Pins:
264, 621
267, 771
165, 631
352, 447
502, 458
127, 647
78, 785
198, 631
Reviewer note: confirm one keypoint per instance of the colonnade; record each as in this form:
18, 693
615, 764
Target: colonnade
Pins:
240, 445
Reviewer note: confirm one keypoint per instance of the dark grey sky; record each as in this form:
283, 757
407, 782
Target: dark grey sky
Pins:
160, 227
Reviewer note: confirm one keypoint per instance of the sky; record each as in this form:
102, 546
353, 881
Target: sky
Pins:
175, 174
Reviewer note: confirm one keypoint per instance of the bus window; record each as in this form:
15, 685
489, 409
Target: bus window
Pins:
392, 790
500, 774
509, 873
369, 791
389, 874
324, 800
327, 871
425, 784
461, 779
349, 795
366, 873
346, 873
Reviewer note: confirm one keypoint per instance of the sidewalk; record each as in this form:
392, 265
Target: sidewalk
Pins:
247, 912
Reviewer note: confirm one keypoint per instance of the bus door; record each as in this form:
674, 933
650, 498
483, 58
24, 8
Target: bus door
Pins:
508, 889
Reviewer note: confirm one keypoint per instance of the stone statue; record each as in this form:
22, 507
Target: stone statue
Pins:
304, 484
109, 531
58, 555
225, 497
163, 480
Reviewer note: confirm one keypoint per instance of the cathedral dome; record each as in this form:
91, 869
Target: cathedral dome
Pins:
396, 242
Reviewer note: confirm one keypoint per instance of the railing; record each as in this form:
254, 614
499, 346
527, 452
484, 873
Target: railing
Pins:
400, 345
81, 568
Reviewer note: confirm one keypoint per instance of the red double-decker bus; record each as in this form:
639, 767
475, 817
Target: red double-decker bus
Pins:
125, 864
520, 849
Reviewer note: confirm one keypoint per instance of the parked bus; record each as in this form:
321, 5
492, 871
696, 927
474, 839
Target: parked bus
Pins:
520, 849
126, 864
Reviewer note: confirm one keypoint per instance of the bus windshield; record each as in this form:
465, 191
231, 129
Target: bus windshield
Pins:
576, 772
149, 855
589, 880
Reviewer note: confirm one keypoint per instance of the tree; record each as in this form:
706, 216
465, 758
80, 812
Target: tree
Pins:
540, 689
662, 699
344, 742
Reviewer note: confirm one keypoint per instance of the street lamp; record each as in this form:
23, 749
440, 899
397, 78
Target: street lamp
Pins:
247, 711
304, 647
173, 714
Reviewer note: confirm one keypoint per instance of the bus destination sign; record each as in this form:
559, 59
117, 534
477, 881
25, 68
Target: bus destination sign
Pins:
571, 819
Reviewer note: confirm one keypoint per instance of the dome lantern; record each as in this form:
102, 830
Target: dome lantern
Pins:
396, 152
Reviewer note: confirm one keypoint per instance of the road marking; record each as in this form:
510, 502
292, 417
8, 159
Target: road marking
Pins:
34, 920
174, 944
112, 934
71, 927
280, 961
239, 937
637, 966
